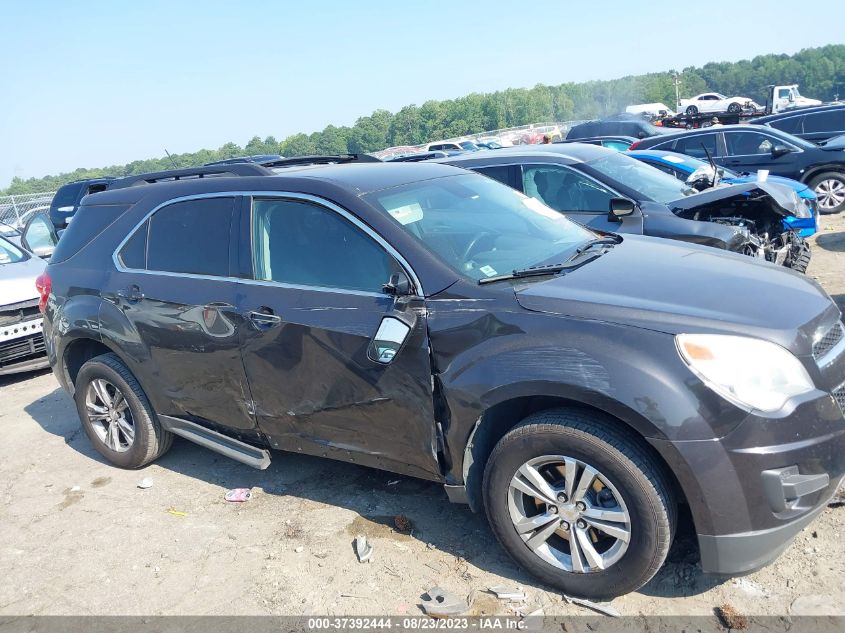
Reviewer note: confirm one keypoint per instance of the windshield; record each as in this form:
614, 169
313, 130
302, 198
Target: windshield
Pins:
644, 179
9, 253
478, 226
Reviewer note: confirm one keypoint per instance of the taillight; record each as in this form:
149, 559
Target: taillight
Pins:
44, 285
634, 145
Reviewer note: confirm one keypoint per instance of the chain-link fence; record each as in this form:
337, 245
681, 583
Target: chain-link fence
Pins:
16, 210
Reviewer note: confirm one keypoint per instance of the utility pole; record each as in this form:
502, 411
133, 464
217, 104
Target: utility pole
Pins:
676, 79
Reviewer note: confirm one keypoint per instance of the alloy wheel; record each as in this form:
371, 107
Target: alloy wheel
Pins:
109, 414
569, 514
830, 193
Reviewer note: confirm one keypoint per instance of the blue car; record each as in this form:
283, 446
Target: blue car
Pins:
682, 167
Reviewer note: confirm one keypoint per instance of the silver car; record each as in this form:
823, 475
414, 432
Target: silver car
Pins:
22, 259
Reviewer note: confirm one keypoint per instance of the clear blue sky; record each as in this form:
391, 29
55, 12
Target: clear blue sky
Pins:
87, 84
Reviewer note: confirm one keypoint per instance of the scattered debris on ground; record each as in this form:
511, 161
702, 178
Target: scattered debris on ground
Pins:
403, 524
731, 618
440, 603
176, 513
238, 495
504, 592
601, 607
145, 483
363, 550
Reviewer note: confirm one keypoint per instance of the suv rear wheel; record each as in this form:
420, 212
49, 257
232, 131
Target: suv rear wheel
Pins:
579, 503
116, 415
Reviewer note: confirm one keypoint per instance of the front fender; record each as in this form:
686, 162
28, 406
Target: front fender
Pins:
630, 373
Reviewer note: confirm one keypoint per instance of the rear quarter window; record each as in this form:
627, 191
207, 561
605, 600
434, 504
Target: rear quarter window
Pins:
88, 222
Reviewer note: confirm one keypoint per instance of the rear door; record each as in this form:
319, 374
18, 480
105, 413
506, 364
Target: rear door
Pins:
577, 196
336, 367
174, 288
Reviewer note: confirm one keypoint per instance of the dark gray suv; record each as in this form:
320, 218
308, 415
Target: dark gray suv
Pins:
578, 388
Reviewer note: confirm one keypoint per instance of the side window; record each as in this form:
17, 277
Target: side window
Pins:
308, 245
695, 145
783, 93
191, 237
565, 189
748, 143
134, 252
832, 121
496, 172
791, 124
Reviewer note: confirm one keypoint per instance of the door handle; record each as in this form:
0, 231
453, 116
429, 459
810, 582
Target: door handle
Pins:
132, 294
264, 318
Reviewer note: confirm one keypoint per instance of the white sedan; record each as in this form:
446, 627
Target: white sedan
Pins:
715, 102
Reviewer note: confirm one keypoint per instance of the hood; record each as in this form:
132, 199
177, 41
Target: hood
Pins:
782, 198
674, 287
799, 187
834, 144
17, 281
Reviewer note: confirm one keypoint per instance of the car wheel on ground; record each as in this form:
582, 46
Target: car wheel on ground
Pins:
579, 503
829, 188
116, 415
692, 110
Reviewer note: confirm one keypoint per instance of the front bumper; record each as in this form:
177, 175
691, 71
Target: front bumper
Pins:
22, 346
751, 491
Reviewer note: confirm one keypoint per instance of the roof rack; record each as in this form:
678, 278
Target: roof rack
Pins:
328, 159
234, 169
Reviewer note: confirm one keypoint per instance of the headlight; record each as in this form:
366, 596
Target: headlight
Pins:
751, 373
802, 206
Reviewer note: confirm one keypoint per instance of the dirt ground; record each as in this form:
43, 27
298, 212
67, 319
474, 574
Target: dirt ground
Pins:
80, 537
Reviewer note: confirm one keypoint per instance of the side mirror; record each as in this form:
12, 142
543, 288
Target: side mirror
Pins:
44, 252
780, 150
398, 286
619, 208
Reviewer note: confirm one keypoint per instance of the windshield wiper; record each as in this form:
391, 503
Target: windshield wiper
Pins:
611, 239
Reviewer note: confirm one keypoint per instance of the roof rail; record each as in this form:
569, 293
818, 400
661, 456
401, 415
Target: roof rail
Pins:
321, 160
234, 169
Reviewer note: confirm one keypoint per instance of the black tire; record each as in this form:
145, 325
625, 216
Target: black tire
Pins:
150, 439
816, 181
734, 108
800, 254
619, 455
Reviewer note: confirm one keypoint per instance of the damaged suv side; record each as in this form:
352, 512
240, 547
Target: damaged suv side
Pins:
610, 191
577, 388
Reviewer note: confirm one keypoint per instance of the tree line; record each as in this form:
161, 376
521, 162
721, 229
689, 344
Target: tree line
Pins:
820, 72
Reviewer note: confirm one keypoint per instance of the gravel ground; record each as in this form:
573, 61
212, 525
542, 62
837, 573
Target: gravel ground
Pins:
79, 537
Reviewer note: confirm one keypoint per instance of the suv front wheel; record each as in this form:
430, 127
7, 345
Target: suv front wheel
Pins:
116, 415
579, 503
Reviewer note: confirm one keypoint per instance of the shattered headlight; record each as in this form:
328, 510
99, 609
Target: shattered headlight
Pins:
751, 373
801, 205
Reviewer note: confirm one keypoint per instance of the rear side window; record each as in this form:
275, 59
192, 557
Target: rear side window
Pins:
88, 222
832, 121
134, 252
695, 145
191, 237
497, 172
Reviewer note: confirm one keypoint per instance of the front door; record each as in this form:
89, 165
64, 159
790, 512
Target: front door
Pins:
323, 381
173, 300
578, 197
749, 151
